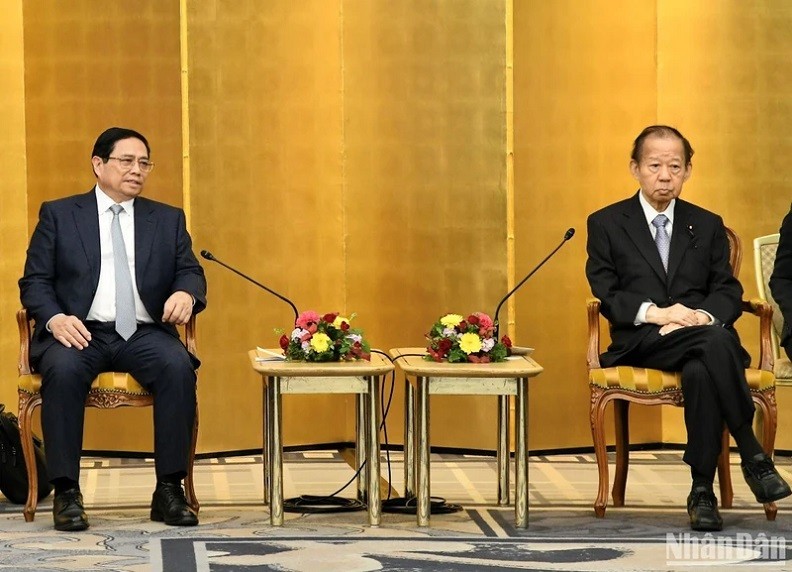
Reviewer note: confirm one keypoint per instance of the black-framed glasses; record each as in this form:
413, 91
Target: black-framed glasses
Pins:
128, 162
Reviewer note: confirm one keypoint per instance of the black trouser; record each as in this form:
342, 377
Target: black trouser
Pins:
713, 365
155, 358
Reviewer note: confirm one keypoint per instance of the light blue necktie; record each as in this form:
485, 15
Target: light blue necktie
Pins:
125, 322
662, 240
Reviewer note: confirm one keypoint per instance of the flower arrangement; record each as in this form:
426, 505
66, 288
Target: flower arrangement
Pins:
324, 338
458, 340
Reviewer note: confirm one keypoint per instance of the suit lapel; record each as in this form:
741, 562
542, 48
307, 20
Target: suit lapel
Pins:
145, 223
86, 219
638, 231
680, 238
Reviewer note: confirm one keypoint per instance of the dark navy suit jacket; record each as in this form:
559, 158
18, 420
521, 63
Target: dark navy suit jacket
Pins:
781, 280
624, 269
63, 262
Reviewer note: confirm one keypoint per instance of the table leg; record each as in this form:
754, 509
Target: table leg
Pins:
361, 447
521, 453
373, 466
503, 450
409, 440
275, 453
422, 473
265, 463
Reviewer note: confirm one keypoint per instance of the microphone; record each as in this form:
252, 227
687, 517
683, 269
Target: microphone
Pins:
567, 235
209, 256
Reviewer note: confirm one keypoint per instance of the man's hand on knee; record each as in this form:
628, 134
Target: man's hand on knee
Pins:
178, 308
70, 331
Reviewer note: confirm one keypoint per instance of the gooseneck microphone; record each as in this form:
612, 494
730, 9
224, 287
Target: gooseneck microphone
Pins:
569, 234
209, 256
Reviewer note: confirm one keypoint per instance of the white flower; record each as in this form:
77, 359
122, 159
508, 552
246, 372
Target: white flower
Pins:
297, 333
449, 333
355, 337
487, 344
306, 346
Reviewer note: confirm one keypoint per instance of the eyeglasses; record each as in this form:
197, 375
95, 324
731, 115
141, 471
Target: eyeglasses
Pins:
128, 162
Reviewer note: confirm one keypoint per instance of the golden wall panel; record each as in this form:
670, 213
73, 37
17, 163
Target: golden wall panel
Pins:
90, 66
265, 108
425, 180
584, 87
13, 187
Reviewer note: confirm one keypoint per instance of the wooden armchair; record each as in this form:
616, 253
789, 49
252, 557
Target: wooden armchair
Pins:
108, 391
624, 385
765, 248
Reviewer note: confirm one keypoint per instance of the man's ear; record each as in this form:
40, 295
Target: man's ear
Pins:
634, 169
688, 171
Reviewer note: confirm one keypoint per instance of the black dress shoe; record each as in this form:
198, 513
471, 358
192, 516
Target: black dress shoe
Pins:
703, 509
68, 511
764, 480
168, 505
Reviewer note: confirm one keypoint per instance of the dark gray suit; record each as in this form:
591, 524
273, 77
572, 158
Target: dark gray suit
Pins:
624, 270
61, 276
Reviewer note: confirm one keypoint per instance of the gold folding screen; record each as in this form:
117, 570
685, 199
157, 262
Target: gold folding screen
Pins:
356, 157
351, 156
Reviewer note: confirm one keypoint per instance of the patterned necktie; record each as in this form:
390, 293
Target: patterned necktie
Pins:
662, 240
126, 322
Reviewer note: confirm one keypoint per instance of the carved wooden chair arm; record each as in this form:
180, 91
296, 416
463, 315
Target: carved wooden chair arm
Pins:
764, 311
593, 309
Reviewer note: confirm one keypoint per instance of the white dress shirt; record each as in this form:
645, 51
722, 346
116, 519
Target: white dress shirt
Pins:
103, 308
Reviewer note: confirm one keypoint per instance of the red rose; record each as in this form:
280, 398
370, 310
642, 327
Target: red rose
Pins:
462, 327
344, 326
284, 342
330, 318
506, 341
444, 345
473, 319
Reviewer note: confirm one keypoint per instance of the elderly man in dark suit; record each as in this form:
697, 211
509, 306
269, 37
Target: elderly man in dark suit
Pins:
660, 266
108, 276
781, 281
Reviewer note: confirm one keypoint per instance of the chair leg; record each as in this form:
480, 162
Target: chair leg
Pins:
597, 420
724, 472
27, 404
621, 410
189, 483
769, 411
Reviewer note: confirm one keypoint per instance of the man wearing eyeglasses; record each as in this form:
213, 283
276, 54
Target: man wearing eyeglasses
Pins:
109, 274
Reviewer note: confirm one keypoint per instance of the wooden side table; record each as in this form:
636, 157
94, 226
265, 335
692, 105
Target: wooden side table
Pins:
425, 378
285, 377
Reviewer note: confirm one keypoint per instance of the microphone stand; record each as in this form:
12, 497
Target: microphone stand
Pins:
569, 234
209, 256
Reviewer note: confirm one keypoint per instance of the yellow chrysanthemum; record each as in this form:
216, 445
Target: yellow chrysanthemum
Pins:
451, 320
320, 342
470, 343
339, 320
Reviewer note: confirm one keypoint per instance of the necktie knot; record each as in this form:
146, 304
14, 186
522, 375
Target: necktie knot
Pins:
660, 221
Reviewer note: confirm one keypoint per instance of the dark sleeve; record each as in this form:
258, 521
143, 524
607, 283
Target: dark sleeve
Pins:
724, 292
619, 305
781, 279
189, 275
37, 285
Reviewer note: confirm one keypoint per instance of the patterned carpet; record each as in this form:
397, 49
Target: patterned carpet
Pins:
235, 535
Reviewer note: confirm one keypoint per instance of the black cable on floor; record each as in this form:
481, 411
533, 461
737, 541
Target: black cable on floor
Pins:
314, 504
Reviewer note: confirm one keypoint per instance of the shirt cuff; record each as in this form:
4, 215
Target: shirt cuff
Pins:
713, 320
640, 317
47, 325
